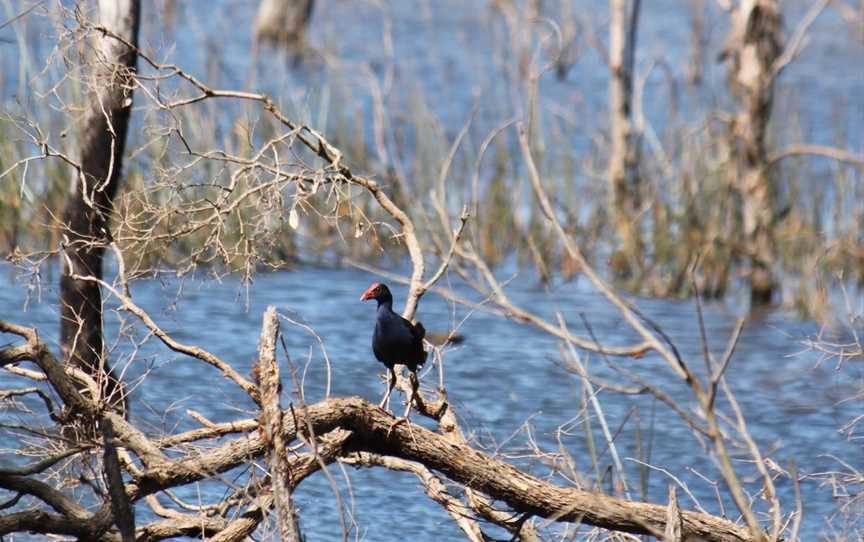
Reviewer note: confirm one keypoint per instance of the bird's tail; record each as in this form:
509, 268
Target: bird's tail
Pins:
420, 332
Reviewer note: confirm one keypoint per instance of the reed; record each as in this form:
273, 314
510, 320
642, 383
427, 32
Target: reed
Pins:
690, 215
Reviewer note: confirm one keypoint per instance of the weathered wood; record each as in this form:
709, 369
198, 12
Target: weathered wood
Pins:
673, 518
270, 386
121, 508
372, 430
752, 48
623, 169
350, 425
85, 218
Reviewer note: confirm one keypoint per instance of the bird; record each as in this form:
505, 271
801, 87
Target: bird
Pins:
395, 340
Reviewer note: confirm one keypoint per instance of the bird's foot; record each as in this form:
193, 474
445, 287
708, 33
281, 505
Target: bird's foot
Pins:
395, 423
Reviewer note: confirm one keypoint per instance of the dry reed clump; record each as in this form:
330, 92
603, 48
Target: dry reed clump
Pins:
842, 345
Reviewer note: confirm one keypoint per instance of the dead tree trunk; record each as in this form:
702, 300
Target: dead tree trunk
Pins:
624, 154
86, 216
698, 42
270, 387
753, 46
283, 22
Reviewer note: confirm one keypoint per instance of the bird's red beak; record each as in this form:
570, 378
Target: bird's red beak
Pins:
369, 293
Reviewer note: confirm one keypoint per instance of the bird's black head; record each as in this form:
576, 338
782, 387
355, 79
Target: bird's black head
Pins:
377, 291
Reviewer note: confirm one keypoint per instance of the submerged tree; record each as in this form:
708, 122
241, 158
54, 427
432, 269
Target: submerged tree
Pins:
283, 23
752, 49
623, 169
97, 177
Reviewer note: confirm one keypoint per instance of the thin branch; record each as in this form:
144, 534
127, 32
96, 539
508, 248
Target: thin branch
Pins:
796, 42
192, 351
803, 149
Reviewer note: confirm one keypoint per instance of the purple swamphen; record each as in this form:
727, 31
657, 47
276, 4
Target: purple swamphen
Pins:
395, 340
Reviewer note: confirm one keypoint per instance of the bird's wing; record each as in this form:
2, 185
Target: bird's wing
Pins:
417, 330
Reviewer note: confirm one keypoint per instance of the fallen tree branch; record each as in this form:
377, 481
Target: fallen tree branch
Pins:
432, 485
266, 372
372, 430
369, 429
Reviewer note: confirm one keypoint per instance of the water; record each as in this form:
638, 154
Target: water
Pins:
503, 377
444, 54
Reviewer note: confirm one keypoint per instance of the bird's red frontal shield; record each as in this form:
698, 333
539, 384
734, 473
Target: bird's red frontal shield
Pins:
370, 292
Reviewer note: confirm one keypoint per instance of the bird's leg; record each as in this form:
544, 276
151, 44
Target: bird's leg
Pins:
385, 402
407, 408
415, 385
412, 377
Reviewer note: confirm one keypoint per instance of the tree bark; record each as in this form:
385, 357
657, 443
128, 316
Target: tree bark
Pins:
121, 508
87, 212
373, 430
624, 153
270, 386
673, 518
753, 46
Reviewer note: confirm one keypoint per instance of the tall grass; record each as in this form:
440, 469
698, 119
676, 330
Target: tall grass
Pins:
403, 137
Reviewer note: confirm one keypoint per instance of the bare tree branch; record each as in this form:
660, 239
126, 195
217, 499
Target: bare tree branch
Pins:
270, 387
816, 150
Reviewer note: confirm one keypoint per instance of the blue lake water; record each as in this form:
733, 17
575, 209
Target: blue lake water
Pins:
444, 55
503, 377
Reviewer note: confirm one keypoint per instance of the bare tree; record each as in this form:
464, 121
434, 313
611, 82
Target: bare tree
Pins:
623, 168
270, 390
283, 22
89, 205
752, 49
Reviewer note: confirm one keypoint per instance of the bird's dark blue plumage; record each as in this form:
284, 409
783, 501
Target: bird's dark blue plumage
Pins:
395, 339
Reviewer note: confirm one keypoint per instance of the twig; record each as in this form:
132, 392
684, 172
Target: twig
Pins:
167, 340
